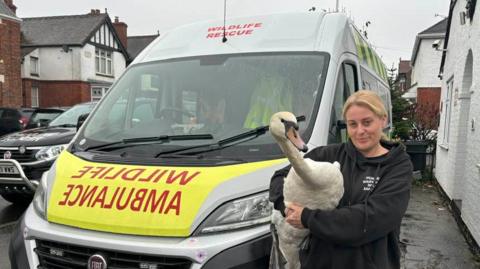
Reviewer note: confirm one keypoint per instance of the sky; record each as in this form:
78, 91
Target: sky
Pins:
392, 30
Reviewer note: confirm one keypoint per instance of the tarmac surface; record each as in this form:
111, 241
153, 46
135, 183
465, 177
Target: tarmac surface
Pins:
430, 237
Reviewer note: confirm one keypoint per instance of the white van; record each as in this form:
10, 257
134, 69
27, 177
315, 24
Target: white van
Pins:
172, 168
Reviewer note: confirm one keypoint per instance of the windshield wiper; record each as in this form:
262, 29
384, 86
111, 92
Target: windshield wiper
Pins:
128, 142
224, 143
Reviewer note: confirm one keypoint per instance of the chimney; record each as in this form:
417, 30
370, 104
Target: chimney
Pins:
121, 29
11, 6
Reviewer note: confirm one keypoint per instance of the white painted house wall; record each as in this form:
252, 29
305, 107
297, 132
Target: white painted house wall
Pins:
77, 63
88, 66
458, 161
427, 63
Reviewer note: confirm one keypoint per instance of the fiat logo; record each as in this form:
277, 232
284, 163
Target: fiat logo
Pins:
22, 149
97, 261
7, 155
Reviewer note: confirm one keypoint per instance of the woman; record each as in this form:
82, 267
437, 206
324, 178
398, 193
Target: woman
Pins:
363, 231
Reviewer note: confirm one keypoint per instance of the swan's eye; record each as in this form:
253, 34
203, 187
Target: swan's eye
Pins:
282, 120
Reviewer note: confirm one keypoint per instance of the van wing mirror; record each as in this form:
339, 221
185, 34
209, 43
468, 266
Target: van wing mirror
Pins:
301, 118
341, 124
81, 119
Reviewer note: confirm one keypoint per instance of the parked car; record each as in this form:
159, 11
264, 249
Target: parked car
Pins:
36, 150
38, 117
10, 120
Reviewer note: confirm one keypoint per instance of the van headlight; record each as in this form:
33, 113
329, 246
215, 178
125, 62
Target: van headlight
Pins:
50, 152
39, 199
242, 213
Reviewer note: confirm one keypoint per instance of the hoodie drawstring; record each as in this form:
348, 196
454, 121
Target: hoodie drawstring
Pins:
365, 219
352, 173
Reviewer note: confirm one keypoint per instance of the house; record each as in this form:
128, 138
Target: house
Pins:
137, 43
458, 142
404, 75
426, 57
10, 81
71, 59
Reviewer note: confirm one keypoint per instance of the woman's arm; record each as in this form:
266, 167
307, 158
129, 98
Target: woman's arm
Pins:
365, 222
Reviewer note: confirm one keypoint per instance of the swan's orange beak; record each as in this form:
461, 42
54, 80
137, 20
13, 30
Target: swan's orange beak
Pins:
291, 131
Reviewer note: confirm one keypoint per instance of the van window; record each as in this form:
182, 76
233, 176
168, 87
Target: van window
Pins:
374, 84
218, 95
351, 77
346, 85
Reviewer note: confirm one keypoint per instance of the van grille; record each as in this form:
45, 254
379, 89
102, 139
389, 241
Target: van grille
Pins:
28, 156
54, 255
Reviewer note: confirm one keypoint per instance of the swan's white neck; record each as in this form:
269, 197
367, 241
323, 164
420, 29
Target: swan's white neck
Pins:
296, 159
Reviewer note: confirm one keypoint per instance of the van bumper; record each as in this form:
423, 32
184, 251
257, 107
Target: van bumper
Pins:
249, 248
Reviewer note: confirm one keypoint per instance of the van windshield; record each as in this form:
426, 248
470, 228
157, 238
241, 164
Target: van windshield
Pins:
218, 95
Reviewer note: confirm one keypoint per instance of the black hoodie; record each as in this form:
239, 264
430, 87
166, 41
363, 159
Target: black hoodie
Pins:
363, 231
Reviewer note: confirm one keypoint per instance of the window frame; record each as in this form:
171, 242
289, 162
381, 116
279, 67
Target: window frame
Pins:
34, 97
104, 62
34, 66
446, 117
96, 98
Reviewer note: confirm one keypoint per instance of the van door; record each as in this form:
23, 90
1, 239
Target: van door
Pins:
347, 83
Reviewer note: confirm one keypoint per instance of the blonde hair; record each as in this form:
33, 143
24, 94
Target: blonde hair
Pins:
367, 99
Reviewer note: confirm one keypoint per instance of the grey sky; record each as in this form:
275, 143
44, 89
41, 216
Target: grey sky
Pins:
394, 23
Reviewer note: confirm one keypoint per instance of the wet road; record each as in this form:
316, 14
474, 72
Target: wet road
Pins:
430, 237
9, 215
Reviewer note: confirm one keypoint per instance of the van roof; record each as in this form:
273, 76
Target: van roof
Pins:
265, 33
282, 32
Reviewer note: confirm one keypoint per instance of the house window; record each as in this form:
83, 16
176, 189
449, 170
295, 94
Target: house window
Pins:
34, 97
34, 66
447, 103
103, 62
97, 93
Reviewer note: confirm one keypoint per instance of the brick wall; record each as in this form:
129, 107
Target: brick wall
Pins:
429, 97
57, 93
121, 29
11, 88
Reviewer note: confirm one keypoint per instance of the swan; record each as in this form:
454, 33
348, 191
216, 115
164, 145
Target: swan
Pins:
316, 185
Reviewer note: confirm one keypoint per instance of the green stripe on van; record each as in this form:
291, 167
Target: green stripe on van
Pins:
377, 64
369, 57
384, 72
368, 54
360, 52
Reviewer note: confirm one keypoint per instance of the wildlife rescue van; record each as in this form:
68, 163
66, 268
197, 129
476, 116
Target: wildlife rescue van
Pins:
172, 168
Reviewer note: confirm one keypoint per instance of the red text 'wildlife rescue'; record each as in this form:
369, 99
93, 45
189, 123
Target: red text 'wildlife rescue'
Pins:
233, 30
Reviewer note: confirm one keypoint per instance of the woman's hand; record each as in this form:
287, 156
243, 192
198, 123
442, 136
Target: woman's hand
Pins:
293, 213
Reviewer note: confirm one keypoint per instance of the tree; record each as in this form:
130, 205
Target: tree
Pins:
401, 110
425, 117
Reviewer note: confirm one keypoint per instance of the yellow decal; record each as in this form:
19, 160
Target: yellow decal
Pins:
132, 199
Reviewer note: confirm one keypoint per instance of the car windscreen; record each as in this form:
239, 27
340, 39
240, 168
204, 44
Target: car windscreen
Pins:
46, 116
218, 95
70, 117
